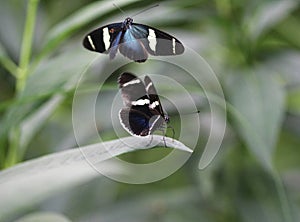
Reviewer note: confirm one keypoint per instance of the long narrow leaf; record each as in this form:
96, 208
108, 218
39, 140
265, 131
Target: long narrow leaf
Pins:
35, 180
259, 101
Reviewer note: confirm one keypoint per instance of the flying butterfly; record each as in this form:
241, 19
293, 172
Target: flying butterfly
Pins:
133, 40
143, 113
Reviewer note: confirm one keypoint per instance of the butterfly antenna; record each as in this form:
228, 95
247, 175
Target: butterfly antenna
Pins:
196, 112
146, 9
119, 8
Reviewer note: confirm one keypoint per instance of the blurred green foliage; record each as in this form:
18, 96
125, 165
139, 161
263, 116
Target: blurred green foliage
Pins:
253, 47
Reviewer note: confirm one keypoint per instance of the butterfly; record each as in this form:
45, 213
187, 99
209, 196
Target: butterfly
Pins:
143, 113
133, 40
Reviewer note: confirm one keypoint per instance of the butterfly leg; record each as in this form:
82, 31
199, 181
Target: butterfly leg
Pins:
173, 132
163, 132
151, 139
164, 139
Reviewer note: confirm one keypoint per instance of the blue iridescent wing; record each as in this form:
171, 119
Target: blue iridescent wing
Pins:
132, 47
113, 48
139, 40
134, 122
137, 123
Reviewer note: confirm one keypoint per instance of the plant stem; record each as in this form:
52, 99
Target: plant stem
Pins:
286, 209
12, 155
26, 44
21, 73
9, 65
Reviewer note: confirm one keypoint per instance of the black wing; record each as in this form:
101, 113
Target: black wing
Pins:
143, 113
139, 40
110, 38
136, 122
157, 42
136, 116
155, 106
133, 40
133, 90
103, 38
154, 99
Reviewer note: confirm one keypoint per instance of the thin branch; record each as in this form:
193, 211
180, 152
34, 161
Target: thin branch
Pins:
27, 43
9, 65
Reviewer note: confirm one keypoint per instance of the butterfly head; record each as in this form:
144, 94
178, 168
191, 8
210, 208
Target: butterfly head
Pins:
128, 21
166, 118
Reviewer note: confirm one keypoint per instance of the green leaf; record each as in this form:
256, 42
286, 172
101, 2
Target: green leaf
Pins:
12, 15
287, 65
268, 15
43, 217
33, 181
258, 211
293, 103
291, 179
258, 108
53, 76
165, 205
288, 26
33, 123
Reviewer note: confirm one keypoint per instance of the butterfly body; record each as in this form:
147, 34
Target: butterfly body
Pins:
134, 41
143, 113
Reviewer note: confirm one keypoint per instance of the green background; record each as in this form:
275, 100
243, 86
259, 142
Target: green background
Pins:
252, 46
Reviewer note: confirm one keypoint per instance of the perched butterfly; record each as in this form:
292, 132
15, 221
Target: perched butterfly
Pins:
143, 113
133, 40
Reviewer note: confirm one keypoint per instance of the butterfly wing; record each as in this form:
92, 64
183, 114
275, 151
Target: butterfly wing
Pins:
139, 40
134, 121
155, 106
132, 90
136, 115
133, 40
154, 99
157, 42
104, 38
140, 121
132, 47
143, 113
110, 38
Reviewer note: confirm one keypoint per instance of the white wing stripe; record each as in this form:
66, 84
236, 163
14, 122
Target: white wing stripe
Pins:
153, 105
152, 39
173, 46
135, 81
140, 102
91, 42
106, 38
